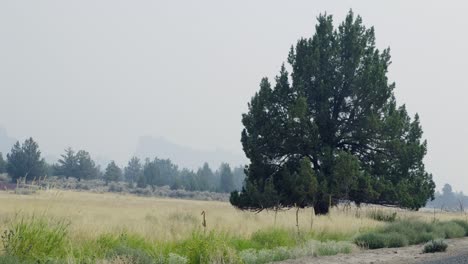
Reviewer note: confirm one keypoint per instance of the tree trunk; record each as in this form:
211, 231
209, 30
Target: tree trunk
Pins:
297, 219
321, 208
312, 219
276, 214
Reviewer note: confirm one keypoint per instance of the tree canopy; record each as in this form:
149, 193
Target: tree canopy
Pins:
3, 164
133, 170
113, 173
332, 130
79, 165
25, 161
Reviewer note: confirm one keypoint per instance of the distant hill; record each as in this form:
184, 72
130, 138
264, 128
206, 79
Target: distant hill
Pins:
6, 142
183, 156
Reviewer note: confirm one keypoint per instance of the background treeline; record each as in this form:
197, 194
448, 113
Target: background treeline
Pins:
24, 162
448, 200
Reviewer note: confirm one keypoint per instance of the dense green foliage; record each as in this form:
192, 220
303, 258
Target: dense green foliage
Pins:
336, 111
3, 164
133, 170
227, 178
160, 172
79, 165
25, 161
113, 173
403, 233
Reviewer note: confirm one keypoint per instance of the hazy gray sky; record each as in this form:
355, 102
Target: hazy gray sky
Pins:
99, 74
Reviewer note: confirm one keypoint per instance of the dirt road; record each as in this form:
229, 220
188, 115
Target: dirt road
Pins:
457, 252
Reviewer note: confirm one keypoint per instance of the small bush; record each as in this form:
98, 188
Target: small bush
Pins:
463, 224
333, 248
435, 246
371, 240
382, 215
415, 231
453, 230
395, 240
116, 187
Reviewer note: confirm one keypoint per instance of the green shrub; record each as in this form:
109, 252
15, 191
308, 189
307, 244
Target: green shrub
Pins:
382, 215
415, 231
423, 237
36, 239
453, 230
370, 240
463, 224
435, 246
395, 240
403, 233
333, 248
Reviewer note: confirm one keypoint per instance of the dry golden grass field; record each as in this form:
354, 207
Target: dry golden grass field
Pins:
91, 215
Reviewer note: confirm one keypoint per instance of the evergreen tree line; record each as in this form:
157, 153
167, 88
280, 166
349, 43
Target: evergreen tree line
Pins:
25, 162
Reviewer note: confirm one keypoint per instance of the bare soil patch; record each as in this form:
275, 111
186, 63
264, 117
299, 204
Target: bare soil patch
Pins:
406, 255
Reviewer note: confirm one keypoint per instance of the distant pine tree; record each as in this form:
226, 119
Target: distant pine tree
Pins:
25, 161
3, 164
113, 173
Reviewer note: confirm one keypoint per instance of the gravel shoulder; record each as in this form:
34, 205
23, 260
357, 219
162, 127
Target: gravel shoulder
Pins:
457, 251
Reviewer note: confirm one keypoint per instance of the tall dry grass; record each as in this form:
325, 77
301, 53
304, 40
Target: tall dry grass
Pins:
161, 226
93, 214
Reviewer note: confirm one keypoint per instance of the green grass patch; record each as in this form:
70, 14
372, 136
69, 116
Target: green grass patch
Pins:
272, 238
36, 239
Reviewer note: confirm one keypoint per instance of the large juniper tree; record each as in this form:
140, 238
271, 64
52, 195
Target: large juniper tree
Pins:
336, 113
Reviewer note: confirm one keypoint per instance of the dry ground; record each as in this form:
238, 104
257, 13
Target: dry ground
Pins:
407, 255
